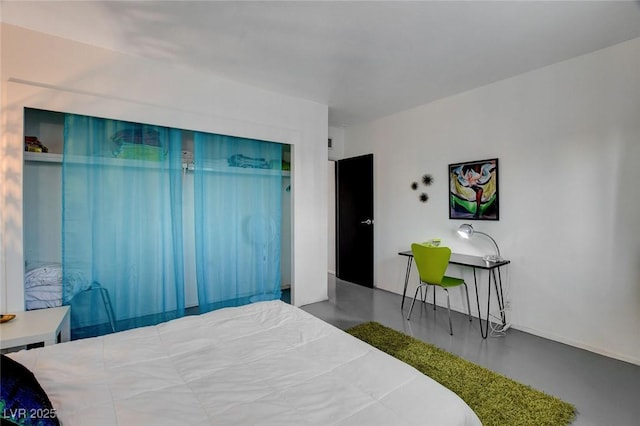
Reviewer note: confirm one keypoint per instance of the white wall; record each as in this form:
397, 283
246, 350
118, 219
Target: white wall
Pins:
336, 134
331, 211
568, 140
46, 72
336, 152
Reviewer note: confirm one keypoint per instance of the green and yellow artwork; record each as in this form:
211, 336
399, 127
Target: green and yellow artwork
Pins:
473, 190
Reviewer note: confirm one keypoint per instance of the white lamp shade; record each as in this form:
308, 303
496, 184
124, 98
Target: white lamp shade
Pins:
465, 231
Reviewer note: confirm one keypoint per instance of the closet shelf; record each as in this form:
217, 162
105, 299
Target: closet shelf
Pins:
214, 168
43, 156
219, 168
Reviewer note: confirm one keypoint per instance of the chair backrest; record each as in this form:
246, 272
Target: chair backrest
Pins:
431, 262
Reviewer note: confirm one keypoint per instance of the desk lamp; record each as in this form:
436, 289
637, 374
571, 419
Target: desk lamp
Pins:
466, 231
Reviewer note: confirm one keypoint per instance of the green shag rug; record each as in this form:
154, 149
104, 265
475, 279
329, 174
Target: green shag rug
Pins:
497, 400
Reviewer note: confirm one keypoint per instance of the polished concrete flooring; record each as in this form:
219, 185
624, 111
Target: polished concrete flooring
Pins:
605, 391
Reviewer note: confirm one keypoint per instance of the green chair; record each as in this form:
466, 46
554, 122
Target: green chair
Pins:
432, 263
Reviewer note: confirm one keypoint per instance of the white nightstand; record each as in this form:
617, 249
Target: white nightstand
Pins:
41, 325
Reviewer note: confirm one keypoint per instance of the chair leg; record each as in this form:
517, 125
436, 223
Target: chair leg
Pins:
106, 300
466, 290
414, 301
426, 293
449, 309
434, 298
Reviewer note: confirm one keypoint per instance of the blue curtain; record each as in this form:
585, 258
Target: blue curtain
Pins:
122, 223
238, 211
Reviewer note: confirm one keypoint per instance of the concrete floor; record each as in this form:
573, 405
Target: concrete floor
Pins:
605, 391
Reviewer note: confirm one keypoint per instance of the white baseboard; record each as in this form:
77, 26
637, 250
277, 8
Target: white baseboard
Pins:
580, 345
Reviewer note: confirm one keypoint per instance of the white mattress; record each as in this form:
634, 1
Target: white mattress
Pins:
267, 363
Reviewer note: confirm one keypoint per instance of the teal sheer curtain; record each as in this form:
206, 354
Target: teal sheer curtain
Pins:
122, 223
238, 215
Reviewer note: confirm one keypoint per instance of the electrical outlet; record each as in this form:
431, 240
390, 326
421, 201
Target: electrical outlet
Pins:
507, 305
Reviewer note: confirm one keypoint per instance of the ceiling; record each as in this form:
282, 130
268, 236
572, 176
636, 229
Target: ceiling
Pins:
364, 60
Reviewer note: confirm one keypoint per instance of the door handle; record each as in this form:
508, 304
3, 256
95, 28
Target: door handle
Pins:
367, 222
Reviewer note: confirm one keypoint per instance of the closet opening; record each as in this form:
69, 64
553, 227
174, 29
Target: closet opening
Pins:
152, 179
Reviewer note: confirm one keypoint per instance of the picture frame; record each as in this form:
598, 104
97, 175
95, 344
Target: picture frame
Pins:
473, 190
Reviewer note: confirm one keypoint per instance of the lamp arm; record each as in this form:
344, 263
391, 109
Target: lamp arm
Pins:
492, 240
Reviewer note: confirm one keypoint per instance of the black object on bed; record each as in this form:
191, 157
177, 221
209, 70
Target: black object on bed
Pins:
22, 399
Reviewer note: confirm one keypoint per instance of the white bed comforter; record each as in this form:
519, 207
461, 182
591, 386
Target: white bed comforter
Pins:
266, 363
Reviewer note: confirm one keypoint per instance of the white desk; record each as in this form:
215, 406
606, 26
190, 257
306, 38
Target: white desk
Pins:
41, 325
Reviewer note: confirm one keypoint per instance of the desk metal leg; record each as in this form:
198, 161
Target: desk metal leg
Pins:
497, 283
486, 321
475, 283
406, 279
484, 331
499, 295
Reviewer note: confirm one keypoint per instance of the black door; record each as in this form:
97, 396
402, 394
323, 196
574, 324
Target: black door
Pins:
354, 220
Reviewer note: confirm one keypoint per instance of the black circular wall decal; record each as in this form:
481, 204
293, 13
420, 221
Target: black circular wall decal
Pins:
414, 185
427, 179
424, 197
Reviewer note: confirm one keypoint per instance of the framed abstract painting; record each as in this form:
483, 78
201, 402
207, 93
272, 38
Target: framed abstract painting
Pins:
473, 190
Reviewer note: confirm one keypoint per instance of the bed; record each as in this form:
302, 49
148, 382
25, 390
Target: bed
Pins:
265, 363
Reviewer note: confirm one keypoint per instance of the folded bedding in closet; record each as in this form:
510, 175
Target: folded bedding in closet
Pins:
43, 286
